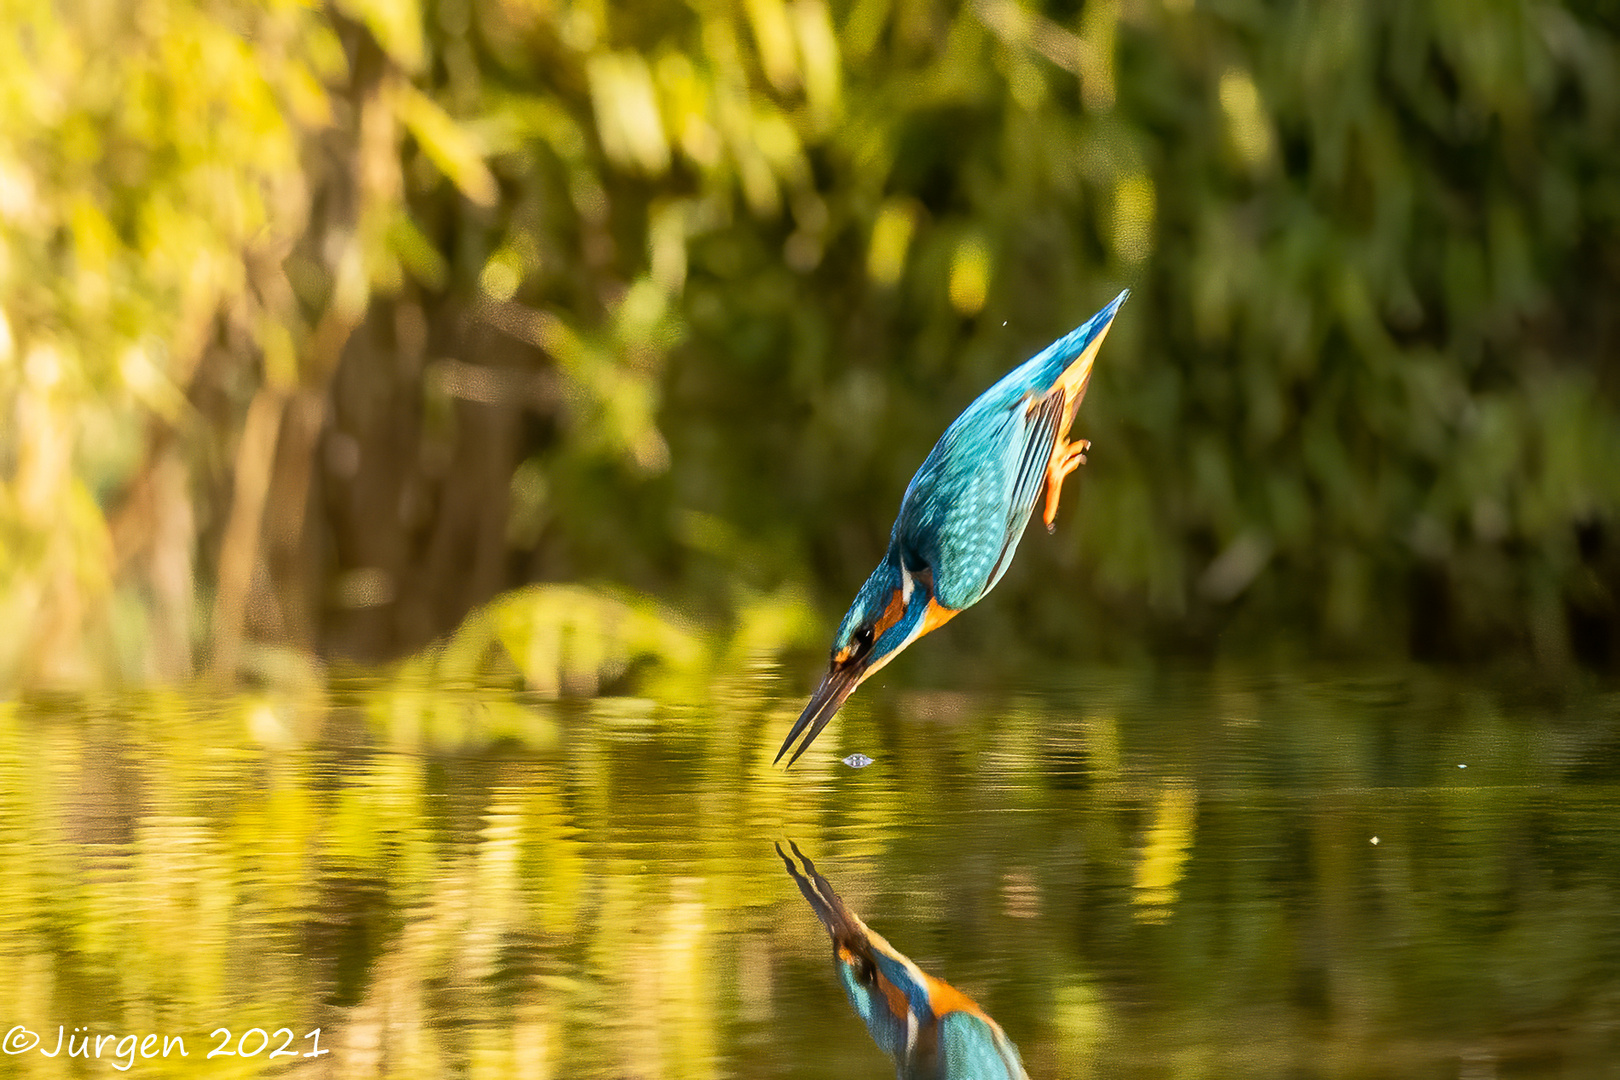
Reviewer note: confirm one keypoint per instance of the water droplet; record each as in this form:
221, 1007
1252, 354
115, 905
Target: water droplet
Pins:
857, 761
1375, 841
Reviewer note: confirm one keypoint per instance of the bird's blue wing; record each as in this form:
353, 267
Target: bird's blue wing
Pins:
970, 1047
968, 505
1041, 420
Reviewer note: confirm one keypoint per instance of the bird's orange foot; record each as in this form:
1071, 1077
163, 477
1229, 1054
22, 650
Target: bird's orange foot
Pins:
1066, 457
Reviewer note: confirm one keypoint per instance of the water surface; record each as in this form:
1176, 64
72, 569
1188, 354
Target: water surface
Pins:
1139, 875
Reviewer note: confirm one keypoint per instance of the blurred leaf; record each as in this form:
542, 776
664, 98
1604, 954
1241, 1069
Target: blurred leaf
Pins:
451, 147
571, 637
397, 27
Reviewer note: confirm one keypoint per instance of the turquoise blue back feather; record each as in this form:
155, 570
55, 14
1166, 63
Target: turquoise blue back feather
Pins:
968, 1047
969, 521
967, 507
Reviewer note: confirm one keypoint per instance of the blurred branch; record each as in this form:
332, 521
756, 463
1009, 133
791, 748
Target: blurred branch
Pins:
239, 551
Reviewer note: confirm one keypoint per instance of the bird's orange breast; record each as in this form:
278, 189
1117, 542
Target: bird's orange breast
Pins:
943, 998
936, 616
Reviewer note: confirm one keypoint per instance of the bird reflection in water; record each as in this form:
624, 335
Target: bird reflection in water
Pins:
932, 1030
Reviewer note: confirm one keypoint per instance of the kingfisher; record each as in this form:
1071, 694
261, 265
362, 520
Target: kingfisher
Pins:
932, 1030
963, 513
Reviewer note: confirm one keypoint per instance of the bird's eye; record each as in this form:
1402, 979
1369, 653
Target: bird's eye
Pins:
868, 973
863, 642
859, 647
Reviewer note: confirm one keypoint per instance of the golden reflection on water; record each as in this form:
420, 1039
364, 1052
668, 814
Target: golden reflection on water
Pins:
1165, 848
1135, 879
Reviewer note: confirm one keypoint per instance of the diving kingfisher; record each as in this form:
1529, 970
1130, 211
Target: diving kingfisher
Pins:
932, 1030
963, 514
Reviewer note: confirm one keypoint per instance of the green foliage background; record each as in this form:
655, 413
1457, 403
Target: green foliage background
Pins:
321, 325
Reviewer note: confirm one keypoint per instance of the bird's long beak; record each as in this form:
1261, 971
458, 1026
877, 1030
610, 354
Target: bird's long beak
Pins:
836, 686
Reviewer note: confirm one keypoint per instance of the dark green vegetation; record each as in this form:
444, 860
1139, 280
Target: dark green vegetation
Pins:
1141, 877
321, 326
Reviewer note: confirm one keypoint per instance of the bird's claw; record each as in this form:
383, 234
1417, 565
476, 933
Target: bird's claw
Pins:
1066, 457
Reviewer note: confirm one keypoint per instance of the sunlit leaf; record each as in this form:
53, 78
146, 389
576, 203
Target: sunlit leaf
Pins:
451, 147
627, 116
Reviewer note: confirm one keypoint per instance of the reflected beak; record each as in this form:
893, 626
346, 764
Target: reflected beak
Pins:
836, 686
839, 920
